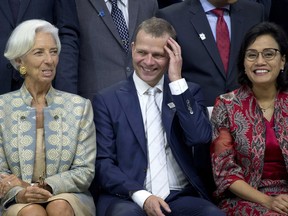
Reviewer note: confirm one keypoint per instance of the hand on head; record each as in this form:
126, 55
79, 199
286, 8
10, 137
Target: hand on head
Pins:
175, 64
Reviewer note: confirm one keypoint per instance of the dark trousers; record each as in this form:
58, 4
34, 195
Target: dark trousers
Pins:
180, 203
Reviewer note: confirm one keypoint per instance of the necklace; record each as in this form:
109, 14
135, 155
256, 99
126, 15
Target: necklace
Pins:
266, 108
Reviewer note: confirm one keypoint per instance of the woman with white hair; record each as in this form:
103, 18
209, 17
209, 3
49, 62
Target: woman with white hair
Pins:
47, 137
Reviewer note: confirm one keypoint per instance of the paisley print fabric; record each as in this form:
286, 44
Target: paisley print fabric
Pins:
238, 147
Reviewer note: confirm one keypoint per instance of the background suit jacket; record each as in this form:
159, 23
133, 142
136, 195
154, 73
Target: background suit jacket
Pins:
165, 3
278, 13
70, 142
201, 60
121, 162
62, 14
267, 6
103, 60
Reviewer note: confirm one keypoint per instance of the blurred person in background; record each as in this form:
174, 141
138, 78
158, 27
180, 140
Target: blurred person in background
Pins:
105, 57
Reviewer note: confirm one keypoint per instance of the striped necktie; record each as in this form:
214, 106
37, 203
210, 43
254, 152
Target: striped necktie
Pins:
156, 147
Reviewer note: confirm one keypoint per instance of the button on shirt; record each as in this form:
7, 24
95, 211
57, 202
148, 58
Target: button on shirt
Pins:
177, 179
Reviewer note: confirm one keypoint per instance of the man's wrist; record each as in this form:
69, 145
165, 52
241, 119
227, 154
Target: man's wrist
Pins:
139, 197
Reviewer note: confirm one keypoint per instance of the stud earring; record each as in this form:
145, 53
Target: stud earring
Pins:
23, 70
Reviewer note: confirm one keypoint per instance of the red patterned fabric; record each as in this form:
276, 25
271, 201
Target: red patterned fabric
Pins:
238, 148
274, 165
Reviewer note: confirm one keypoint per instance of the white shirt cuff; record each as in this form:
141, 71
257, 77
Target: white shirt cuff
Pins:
139, 197
178, 87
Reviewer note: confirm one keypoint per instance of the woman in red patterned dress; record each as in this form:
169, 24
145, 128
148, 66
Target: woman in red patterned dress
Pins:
250, 129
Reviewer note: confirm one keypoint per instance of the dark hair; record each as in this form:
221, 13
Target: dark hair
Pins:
264, 28
156, 27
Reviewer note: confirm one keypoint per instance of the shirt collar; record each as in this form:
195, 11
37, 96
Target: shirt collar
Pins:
207, 6
27, 97
123, 2
142, 86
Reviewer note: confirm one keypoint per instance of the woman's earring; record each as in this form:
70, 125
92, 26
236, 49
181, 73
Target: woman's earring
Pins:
281, 70
22, 70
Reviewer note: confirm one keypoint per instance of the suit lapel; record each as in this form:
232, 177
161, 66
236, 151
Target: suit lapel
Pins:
5, 8
128, 99
202, 27
168, 110
237, 29
133, 7
104, 14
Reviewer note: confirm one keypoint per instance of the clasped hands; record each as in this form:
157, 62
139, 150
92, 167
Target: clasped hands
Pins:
35, 192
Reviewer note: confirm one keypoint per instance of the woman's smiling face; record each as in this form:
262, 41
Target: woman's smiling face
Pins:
263, 70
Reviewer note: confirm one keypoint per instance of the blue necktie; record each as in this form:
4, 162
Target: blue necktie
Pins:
120, 23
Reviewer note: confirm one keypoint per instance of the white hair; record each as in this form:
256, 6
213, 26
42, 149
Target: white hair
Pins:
22, 38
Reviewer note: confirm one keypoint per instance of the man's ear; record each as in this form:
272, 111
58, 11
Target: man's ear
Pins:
132, 48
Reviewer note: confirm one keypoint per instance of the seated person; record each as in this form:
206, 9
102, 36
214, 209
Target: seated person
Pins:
146, 126
47, 137
249, 146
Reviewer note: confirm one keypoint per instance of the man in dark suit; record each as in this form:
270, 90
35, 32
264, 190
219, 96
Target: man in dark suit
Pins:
103, 59
62, 14
195, 26
123, 166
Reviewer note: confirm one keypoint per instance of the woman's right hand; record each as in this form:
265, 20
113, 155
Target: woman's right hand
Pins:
32, 194
9, 181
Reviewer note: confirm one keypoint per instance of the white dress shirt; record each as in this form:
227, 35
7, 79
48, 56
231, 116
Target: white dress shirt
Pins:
177, 179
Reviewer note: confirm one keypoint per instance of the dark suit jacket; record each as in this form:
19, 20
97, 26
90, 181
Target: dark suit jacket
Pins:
279, 13
121, 144
165, 3
201, 60
103, 60
267, 6
61, 13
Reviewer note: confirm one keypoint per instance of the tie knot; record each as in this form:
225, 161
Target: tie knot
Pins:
113, 2
152, 91
218, 12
